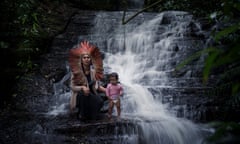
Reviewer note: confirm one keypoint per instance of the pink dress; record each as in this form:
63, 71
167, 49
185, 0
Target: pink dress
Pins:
114, 91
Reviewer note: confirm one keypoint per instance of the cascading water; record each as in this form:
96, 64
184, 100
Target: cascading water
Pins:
143, 52
142, 58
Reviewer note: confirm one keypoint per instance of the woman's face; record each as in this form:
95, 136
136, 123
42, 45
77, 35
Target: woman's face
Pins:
86, 60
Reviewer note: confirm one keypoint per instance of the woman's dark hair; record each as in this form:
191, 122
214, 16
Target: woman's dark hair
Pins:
114, 74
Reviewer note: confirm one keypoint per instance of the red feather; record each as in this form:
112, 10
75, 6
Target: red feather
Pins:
75, 61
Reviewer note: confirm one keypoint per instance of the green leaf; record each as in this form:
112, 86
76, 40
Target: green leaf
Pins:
230, 73
209, 63
227, 31
231, 55
195, 56
34, 15
235, 89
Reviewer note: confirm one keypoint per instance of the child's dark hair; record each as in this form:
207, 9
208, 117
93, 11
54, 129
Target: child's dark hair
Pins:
114, 74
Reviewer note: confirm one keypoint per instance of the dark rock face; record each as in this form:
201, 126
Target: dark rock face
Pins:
98, 5
27, 121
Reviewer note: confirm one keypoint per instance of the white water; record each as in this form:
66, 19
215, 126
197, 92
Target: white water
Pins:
62, 96
148, 59
141, 56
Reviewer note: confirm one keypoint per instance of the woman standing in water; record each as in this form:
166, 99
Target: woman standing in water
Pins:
87, 69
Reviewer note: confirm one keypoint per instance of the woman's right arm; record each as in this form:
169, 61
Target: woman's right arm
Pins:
74, 87
77, 88
85, 89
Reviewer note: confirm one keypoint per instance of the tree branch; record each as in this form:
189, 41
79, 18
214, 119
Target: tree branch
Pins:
124, 13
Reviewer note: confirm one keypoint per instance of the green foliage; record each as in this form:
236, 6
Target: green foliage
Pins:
26, 65
209, 62
28, 19
224, 130
227, 31
196, 7
223, 61
195, 56
227, 40
4, 44
23, 31
223, 57
29, 30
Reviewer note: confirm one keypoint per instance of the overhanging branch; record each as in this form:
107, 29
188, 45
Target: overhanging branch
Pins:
137, 13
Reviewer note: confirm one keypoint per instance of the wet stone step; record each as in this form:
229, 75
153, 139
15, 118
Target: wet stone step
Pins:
113, 139
175, 83
125, 131
96, 128
96, 132
178, 90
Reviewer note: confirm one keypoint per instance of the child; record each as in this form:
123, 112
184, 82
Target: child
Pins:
113, 91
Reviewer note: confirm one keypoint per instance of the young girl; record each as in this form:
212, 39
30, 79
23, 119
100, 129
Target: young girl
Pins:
113, 91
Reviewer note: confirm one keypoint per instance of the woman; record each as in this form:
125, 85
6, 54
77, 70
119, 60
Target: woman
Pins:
84, 80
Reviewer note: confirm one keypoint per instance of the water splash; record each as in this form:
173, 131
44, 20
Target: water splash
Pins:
60, 104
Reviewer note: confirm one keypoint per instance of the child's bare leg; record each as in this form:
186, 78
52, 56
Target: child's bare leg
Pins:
118, 108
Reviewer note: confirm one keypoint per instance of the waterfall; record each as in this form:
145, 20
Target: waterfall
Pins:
62, 94
142, 55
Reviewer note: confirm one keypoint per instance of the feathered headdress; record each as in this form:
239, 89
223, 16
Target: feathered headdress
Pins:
75, 55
